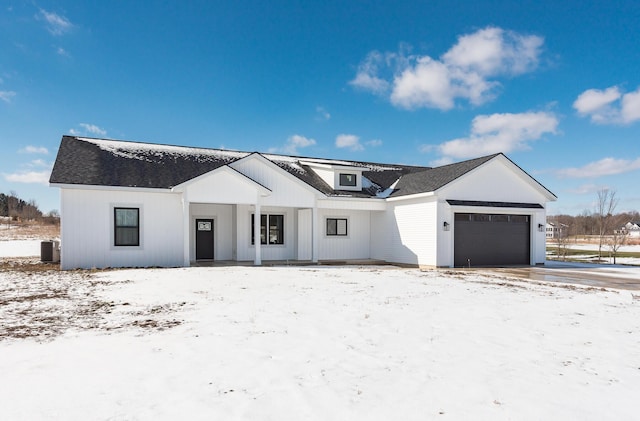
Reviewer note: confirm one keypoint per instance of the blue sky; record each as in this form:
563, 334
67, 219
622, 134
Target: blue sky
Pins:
553, 85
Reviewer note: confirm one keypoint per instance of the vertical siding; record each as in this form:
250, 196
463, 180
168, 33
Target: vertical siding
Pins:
87, 232
285, 189
222, 226
411, 232
356, 245
246, 251
304, 234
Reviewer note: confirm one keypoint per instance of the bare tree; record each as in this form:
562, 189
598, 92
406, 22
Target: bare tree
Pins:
605, 206
619, 237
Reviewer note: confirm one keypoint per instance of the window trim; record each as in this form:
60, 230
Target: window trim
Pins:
337, 234
267, 229
137, 227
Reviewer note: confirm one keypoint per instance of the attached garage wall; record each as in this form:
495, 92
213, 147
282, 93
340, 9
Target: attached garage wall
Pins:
491, 239
406, 232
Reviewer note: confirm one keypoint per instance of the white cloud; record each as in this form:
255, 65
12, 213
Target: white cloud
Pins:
61, 51
7, 95
586, 189
87, 128
603, 167
56, 24
34, 149
30, 177
498, 133
349, 141
367, 78
374, 143
631, 106
294, 143
609, 106
322, 114
466, 71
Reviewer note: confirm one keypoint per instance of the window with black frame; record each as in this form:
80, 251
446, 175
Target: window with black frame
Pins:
271, 229
336, 227
347, 179
126, 226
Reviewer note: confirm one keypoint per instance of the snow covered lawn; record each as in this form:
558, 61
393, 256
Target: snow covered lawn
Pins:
313, 343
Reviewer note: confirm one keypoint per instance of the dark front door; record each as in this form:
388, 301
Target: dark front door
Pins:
204, 239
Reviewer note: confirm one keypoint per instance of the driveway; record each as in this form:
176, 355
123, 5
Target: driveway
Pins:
605, 276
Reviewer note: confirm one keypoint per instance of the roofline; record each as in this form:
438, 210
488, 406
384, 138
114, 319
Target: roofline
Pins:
109, 187
410, 196
546, 192
265, 190
304, 184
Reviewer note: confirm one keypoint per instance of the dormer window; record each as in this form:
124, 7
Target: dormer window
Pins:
348, 180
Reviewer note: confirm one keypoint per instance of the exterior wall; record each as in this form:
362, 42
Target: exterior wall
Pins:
305, 230
222, 216
286, 251
285, 189
406, 232
355, 245
221, 186
87, 229
493, 181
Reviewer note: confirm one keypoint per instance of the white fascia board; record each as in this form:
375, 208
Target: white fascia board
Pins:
259, 156
332, 166
264, 191
351, 203
525, 176
411, 196
104, 188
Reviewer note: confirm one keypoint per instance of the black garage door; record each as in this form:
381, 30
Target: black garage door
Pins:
482, 239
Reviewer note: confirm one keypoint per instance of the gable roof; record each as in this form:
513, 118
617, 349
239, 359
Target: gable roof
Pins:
102, 162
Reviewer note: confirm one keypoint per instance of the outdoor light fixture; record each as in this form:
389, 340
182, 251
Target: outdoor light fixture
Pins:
540, 227
445, 226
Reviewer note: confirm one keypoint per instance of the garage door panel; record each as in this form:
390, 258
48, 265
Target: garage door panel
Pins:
486, 240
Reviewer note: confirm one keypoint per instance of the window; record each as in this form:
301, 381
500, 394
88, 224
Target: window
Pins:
336, 226
126, 226
347, 179
271, 228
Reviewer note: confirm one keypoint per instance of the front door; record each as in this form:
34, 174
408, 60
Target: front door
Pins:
204, 239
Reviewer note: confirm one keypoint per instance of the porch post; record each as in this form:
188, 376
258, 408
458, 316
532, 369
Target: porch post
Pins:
314, 233
256, 235
185, 229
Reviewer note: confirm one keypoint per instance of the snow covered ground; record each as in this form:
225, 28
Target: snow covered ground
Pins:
19, 248
313, 343
605, 253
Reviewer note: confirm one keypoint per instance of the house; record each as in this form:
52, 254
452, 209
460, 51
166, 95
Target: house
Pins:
632, 229
556, 230
131, 204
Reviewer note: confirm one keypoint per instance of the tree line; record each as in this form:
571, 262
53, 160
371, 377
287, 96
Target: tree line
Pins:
15, 209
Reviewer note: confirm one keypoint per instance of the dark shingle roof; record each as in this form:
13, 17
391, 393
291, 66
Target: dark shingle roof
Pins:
100, 162
431, 179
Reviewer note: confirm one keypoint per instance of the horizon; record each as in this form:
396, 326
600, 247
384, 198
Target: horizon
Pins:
395, 83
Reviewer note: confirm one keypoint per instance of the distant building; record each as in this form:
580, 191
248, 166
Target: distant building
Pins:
632, 229
556, 230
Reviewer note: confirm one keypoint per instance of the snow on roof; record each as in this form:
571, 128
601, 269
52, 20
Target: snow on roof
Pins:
140, 151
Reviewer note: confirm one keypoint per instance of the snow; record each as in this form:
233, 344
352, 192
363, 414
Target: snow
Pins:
20, 248
314, 343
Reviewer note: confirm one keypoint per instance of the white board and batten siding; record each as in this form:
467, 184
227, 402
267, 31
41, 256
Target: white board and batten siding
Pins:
88, 229
355, 245
406, 232
246, 250
286, 190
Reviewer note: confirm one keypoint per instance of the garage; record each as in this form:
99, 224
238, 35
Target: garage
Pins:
482, 239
